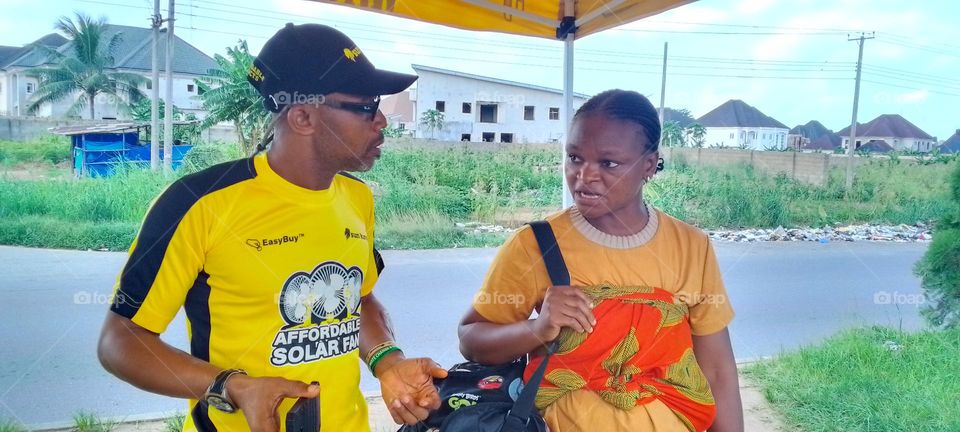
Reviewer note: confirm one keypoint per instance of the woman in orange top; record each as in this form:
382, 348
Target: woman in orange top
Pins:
642, 330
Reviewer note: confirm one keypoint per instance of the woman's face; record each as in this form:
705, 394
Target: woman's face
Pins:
606, 167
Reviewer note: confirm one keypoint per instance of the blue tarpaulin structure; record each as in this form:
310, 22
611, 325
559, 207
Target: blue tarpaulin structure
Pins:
99, 150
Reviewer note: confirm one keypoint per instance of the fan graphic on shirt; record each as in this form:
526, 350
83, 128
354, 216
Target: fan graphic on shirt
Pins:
330, 291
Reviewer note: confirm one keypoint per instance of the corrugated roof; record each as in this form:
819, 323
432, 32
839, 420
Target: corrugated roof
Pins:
737, 113
6, 52
876, 146
134, 52
113, 127
952, 144
826, 142
888, 125
493, 80
813, 130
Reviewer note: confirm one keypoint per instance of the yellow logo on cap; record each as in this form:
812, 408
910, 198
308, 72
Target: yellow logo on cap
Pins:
255, 74
351, 54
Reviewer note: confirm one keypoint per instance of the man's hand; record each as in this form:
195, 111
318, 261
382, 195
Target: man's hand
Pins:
408, 390
259, 398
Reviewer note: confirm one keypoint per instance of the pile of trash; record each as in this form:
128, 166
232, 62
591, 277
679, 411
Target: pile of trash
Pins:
890, 233
481, 228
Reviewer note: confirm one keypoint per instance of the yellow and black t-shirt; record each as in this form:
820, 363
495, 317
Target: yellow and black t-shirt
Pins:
270, 276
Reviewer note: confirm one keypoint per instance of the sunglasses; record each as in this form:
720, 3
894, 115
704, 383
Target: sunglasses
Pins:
368, 108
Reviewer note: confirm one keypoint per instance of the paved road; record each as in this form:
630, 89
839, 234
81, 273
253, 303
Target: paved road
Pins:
786, 295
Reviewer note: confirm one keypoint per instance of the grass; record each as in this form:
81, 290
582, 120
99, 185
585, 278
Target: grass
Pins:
885, 192
421, 193
51, 149
11, 426
88, 422
175, 423
873, 379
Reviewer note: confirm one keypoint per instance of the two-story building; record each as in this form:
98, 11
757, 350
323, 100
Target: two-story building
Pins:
132, 55
483, 109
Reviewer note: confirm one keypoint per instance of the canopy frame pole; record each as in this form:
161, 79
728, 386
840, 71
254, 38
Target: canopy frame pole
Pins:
515, 12
594, 14
566, 32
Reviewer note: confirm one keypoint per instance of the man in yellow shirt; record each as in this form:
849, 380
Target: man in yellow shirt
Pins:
272, 260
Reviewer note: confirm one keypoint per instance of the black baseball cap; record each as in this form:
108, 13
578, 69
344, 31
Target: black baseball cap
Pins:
303, 61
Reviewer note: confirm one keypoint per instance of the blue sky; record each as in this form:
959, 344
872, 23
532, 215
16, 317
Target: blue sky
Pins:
792, 60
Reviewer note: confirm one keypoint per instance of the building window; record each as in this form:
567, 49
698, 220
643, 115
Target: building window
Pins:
30, 88
554, 113
488, 136
441, 106
402, 126
200, 90
149, 85
189, 88
506, 137
528, 112
488, 113
467, 108
731, 135
464, 137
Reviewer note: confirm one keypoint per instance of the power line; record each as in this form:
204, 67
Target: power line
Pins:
910, 88
919, 74
920, 81
919, 47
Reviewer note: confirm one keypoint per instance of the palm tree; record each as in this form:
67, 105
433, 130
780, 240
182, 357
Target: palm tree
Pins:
228, 96
83, 70
433, 120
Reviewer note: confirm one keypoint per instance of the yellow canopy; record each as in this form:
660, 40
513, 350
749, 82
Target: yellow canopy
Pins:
538, 18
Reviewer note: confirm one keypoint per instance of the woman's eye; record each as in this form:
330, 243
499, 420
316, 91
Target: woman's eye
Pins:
611, 164
573, 158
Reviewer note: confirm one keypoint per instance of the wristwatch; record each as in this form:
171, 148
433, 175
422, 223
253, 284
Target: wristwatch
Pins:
217, 396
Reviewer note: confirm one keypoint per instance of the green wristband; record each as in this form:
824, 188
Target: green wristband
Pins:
379, 356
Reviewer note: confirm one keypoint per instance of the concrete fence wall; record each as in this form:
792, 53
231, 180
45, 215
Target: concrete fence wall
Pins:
31, 128
812, 168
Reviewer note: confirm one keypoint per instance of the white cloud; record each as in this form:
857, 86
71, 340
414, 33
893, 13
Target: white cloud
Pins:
914, 97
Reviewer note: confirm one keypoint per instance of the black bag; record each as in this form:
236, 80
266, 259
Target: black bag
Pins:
478, 398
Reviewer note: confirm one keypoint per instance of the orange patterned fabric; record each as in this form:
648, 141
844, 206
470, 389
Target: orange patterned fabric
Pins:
640, 351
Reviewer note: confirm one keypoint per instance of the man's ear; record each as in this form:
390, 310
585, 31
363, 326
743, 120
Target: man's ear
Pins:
301, 120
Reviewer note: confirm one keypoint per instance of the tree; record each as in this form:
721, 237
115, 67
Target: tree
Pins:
433, 120
696, 134
680, 116
188, 134
84, 69
673, 134
939, 269
228, 96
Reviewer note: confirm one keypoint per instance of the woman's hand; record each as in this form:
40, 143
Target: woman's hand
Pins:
564, 306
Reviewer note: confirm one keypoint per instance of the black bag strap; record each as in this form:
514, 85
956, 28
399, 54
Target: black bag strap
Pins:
519, 415
552, 258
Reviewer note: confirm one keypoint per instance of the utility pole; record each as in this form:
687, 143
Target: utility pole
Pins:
168, 106
852, 144
155, 22
663, 88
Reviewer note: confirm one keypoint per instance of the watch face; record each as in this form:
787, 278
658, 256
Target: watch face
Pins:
220, 403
